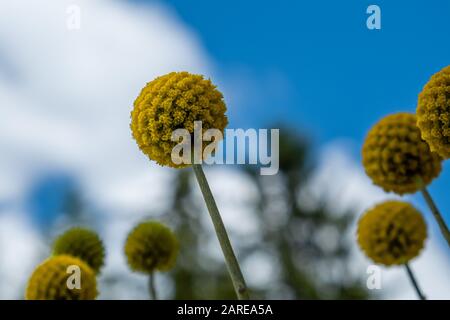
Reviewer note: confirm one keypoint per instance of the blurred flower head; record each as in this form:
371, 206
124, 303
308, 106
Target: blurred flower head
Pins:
151, 246
433, 112
49, 280
170, 102
81, 243
396, 158
392, 233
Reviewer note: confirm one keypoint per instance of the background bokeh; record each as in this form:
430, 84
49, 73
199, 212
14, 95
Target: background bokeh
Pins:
314, 70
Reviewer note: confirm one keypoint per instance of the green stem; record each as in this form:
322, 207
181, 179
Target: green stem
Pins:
230, 258
151, 286
437, 215
414, 282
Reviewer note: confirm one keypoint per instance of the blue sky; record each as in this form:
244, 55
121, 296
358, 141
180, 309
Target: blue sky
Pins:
316, 66
340, 76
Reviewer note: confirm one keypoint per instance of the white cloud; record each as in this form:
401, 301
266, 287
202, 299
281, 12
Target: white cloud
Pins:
65, 100
236, 195
70, 104
343, 180
20, 248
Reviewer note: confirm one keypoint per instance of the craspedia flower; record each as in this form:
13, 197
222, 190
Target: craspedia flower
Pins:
170, 102
151, 246
395, 157
433, 112
49, 280
392, 233
81, 243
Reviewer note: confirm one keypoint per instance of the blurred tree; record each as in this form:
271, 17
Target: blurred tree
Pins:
197, 275
304, 241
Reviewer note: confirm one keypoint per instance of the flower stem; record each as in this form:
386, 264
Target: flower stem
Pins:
437, 215
151, 286
230, 258
414, 282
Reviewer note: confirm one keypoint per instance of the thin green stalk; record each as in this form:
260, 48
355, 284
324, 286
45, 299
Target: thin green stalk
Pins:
230, 258
437, 215
151, 286
414, 282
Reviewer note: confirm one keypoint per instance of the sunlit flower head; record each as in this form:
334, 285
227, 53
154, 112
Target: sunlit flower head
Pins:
396, 158
170, 102
433, 112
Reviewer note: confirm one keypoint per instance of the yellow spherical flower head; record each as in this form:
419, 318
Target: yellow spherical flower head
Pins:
396, 158
50, 280
81, 243
170, 102
392, 233
151, 246
433, 112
